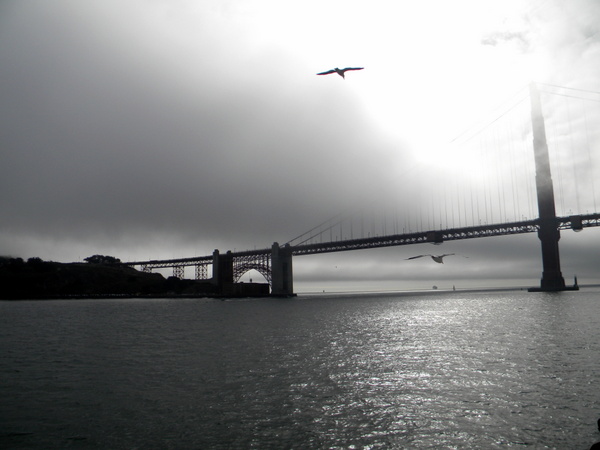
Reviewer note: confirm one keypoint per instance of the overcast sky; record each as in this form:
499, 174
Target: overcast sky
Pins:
153, 129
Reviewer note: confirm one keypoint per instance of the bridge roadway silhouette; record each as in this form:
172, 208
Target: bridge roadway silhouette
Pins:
275, 263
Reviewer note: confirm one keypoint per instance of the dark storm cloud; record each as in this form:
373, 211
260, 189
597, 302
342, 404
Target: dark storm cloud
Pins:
102, 131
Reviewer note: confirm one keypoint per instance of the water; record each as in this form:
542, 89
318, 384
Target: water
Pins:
441, 370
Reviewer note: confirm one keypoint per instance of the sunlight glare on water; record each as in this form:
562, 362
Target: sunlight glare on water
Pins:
445, 370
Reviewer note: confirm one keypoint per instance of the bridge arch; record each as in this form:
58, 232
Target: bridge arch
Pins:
261, 263
260, 268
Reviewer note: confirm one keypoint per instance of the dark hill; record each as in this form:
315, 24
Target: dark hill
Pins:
43, 279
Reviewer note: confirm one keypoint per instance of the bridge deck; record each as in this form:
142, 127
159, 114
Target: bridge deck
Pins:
576, 222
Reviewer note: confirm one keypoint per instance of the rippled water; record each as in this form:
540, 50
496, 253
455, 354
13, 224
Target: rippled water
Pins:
454, 370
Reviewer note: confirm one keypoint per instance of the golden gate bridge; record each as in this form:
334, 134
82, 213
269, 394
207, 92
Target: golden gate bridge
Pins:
486, 194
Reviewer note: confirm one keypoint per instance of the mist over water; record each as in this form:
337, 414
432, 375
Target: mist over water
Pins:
430, 370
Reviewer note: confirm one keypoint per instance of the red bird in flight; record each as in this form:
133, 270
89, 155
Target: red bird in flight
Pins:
340, 72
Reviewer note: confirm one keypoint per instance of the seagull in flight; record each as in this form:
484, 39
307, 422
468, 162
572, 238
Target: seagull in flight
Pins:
340, 72
437, 258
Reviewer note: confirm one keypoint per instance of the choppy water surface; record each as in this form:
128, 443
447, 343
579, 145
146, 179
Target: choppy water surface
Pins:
456, 370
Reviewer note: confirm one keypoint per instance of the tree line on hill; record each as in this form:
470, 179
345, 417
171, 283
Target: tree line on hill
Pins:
99, 276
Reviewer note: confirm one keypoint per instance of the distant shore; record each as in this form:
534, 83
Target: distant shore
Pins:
427, 291
38, 280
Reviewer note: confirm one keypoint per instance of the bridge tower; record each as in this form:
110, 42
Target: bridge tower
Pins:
548, 233
282, 280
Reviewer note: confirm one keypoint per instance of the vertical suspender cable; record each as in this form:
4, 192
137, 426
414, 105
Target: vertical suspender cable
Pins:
486, 179
591, 165
498, 177
573, 165
557, 150
511, 158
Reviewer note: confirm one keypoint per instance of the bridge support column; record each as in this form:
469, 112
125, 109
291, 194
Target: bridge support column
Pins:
179, 272
282, 281
222, 268
549, 234
201, 271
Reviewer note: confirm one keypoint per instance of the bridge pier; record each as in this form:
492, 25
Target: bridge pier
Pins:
282, 283
552, 279
222, 268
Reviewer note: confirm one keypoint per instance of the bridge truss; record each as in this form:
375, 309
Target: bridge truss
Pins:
261, 260
576, 223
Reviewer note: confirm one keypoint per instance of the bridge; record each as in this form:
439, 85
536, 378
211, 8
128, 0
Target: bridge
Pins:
275, 263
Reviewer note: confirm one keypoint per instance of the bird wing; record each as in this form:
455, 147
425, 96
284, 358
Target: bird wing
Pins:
327, 73
415, 257
447, 254
353, 68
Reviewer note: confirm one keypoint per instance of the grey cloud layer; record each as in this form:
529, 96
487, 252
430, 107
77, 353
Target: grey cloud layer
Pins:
97, 135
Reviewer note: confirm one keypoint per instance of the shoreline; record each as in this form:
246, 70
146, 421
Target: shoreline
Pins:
298, 294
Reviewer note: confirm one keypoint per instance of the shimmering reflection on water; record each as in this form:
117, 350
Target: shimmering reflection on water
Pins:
456, 370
